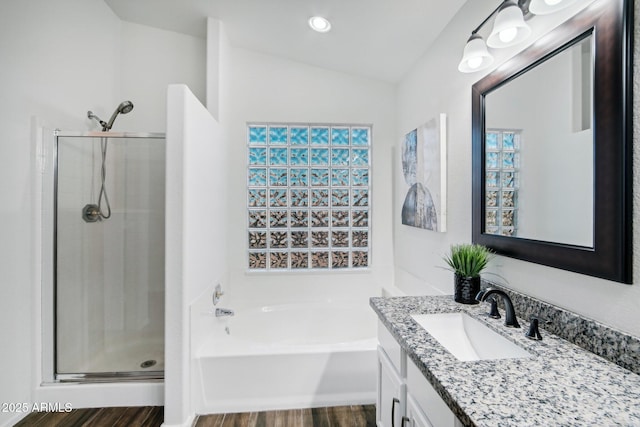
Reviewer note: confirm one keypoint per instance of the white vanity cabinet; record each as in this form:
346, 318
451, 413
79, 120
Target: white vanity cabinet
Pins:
391, 403
391, 397
405, 398
415, 416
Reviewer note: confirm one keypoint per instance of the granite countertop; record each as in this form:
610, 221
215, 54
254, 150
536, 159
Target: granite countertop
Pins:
560, 385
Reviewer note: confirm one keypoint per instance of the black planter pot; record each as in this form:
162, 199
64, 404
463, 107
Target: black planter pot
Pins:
466, 289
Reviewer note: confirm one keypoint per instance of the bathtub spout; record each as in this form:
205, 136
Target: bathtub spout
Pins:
224, 312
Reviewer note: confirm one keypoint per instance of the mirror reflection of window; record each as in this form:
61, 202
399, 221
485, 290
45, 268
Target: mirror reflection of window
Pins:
502, 153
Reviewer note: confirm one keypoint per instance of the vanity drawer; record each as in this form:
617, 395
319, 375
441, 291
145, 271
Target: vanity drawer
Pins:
392, 349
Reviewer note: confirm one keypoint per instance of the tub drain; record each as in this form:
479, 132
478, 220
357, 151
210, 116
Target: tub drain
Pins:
148, 363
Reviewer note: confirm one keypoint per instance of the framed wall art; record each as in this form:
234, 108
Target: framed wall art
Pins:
424, 167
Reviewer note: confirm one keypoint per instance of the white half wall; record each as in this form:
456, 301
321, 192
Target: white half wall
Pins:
195, 257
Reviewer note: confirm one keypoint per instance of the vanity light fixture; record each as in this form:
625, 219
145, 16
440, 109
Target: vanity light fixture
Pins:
319, 24
545, 7
509, 27
476, 56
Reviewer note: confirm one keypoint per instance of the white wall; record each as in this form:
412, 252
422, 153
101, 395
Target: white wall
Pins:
151, 59
434, 86
195, 256
61, 59
265, 88
50, 70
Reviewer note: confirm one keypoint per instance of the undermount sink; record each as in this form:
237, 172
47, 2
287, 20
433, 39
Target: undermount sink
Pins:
467, 338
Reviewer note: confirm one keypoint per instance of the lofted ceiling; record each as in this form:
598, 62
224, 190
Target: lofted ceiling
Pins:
379, 39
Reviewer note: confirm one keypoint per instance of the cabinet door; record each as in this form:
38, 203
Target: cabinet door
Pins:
415, 417
428, 400
390, 405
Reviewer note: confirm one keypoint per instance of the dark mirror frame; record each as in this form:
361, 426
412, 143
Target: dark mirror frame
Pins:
610, 22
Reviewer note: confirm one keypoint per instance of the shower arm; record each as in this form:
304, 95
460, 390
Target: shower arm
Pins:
96, 118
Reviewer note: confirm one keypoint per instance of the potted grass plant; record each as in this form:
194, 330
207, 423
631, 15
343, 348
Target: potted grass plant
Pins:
467, 262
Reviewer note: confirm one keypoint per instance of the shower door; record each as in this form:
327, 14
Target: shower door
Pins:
109, 267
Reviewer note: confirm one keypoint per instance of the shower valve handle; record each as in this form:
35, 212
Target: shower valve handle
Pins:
217, 294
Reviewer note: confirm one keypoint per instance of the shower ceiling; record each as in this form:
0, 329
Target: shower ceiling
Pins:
379, 39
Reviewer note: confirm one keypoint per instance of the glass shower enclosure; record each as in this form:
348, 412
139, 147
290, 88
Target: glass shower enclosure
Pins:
109, 224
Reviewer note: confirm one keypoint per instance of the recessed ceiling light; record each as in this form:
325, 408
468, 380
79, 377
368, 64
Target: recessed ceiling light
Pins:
319, 24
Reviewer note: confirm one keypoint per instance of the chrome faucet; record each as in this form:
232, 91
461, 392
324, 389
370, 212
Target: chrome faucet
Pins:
224, 312
510, 314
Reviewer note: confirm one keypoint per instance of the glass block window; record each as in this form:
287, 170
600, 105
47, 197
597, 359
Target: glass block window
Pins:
502, 154
308, 196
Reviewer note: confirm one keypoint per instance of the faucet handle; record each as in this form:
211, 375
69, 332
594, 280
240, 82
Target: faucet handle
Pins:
534, 332
493, 311
217, 294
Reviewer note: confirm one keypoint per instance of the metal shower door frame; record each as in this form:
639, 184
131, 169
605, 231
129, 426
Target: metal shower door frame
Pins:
50, 372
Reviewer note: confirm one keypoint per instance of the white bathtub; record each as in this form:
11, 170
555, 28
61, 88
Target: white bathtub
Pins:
285, 356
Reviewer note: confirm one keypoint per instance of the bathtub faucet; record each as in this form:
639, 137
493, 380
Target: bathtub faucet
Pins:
224, 312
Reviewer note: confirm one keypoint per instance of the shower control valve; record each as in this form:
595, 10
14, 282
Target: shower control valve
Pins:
217, 294
91, 213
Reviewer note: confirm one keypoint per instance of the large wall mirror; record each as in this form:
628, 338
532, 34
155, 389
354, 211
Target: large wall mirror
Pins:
552, 158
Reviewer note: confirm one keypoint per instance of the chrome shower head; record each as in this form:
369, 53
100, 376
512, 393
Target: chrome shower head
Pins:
124, 108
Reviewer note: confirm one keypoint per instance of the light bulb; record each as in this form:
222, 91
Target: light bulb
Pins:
546, 7
509, 27
508, 35
475, 56
474, 62
319, 24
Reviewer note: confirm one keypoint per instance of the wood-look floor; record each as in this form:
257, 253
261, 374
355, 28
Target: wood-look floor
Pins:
143, 416
152, 416
336, 416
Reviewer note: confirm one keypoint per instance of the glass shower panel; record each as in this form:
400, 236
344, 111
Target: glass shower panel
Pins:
110, 269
